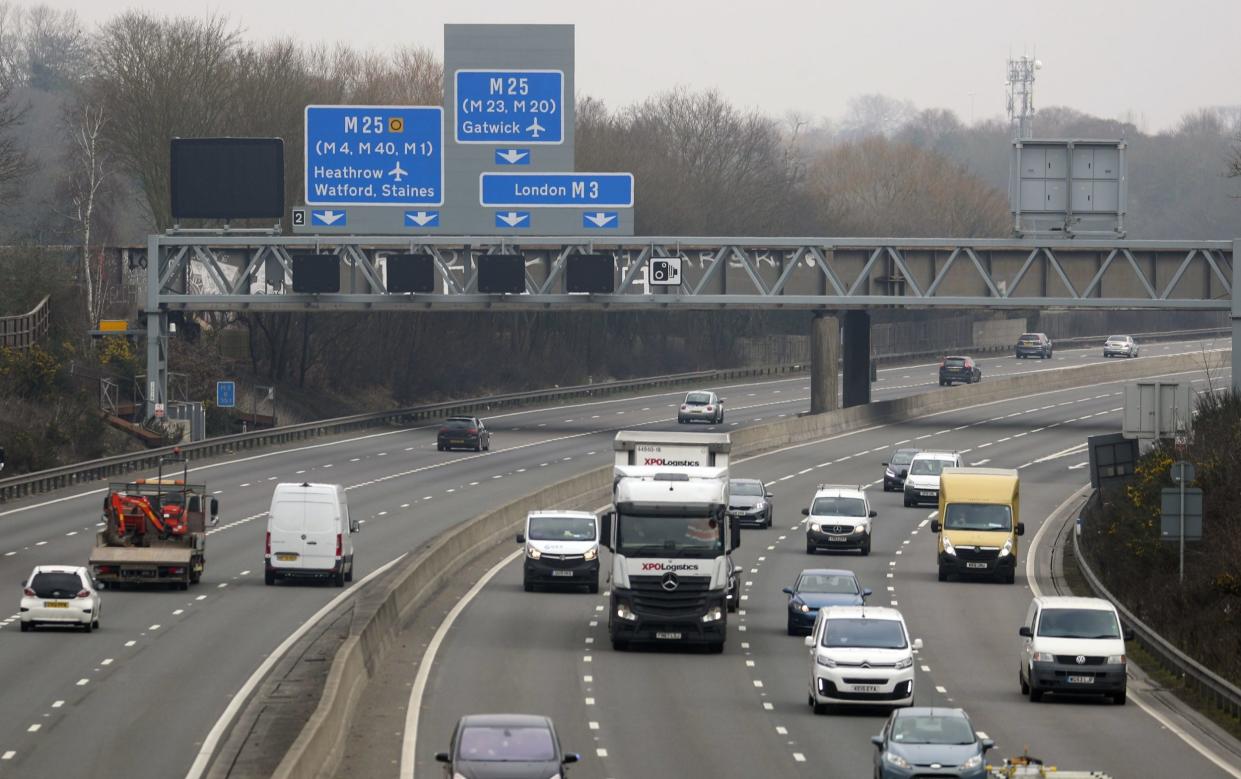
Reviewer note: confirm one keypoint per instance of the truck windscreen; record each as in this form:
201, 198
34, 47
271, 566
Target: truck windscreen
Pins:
653, 535
978, 516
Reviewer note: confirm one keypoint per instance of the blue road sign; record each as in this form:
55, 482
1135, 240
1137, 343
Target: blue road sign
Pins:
374, 155
512, 219
600, 220
510, 106
226, 394
422, 218
328, 217
512, 156
593, 190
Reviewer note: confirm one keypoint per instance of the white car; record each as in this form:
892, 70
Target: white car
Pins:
922, 482
860, 655
1073, 645
838, 519
1120, 346
701, 406
60, 595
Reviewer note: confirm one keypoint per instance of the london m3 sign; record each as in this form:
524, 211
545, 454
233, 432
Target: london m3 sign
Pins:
374, 155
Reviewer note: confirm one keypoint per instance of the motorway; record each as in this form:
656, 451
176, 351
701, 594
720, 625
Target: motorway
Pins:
137, 697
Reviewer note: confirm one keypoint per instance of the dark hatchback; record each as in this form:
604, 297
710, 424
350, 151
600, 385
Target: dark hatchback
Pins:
818, 588
505, 746
896, 468
959, 369
923, 742
463, 433
1033, 345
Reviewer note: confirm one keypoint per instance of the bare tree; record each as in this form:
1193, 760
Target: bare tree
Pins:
91, 171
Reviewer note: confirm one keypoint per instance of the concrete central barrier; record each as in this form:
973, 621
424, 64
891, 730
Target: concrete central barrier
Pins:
318, 748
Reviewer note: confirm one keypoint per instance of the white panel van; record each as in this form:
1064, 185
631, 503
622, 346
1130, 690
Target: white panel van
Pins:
309, 533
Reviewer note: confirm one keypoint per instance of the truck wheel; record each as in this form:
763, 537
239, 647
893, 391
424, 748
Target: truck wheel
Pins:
183, 586
1010, 577
269, 578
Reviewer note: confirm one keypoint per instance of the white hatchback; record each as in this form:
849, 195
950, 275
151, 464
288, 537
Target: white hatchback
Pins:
60, 595
861, 655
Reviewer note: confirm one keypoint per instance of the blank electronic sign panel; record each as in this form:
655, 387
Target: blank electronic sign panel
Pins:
227, 178
590, 273
316, 273
502, 273
411, 273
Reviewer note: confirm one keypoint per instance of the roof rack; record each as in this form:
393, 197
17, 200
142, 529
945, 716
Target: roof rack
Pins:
857, 487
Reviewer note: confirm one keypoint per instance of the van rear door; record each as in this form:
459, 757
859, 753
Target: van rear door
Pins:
323, 523
288, 515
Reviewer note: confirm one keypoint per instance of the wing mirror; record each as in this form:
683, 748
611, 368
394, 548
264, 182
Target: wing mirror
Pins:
917, 645
787, 591
805, 512
1025, 632
987, 743
1127, 634
521, 538
936, 527
605, 528
877, 741
885, 464
570, 757
355, 526
866, 592
873, 514
442, 757
1021, 528
809, 641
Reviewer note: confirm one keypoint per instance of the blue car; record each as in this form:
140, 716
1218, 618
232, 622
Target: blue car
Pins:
819, 587
921, 741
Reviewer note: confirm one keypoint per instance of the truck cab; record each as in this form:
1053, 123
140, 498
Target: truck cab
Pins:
978, 523
670, 535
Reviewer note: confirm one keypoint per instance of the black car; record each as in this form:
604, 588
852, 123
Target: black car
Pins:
895, 468
749, 503
959, 369
512, 746
1034, 345
816, 588
924, 741
463, 433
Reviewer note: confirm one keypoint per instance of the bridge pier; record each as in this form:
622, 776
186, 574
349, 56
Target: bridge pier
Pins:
824, 357
856, 363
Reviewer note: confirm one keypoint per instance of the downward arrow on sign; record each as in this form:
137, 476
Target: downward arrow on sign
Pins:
420, 218
600, 219
329, 217
512, 218
511, 156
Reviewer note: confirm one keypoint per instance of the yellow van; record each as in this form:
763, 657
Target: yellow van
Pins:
978, 523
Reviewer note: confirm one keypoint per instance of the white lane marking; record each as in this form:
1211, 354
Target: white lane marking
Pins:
982, 734
58, 704
1138, 698
35, 728
926, 669
590, 701
8, 755
940, 690
83, 682
781, 730
221, 726
130, 643
799, 757
768, 705
410, 736
178, 612
1062, 453
983, 461
593, 725
601, 752
153, 627
106, 661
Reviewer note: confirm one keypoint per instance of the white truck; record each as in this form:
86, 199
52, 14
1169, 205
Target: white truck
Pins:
670, 537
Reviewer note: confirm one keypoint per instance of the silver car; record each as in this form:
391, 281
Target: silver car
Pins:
1120, 346
701, 406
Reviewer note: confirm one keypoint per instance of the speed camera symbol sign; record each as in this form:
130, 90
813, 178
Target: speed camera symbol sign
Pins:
664, 271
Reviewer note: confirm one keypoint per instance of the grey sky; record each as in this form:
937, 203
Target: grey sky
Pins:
1147, 60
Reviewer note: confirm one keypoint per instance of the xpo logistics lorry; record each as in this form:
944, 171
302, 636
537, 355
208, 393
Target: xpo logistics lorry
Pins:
670, 537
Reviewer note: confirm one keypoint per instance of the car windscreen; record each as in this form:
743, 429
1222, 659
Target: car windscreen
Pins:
697, 399
932, 730
839, 507
928, 467
652, 535
864, 633
55, 585
978, 516
1078, 623
321, 517
746, 488
901, 458
498, 744
827, 583
561, 529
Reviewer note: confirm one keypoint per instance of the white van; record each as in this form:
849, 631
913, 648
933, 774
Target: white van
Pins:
309, 533
562, 547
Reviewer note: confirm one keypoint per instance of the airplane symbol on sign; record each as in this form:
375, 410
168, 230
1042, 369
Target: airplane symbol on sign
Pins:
535, 128
398, 172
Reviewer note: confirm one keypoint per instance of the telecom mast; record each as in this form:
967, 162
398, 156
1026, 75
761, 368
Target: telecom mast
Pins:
1021, 94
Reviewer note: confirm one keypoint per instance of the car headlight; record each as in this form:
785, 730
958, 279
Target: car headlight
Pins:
814, 526
1115, 659
896, 760
591, 553
904, 662
973, 762
762, 504
714, 614
948, 547
859, 528
533, 553
1043, 657
1007, 549
888, 472
803, 608
623, 612
825, 661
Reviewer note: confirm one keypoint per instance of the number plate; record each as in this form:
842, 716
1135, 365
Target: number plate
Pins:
562, 573
668, 636
55, 604
286, 557
926, 494
975, 565
838, 539
1081, 680
864, 688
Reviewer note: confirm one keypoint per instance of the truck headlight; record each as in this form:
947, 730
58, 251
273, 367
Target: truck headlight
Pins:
905, 662
533, 553
1007, 549
948, 547
714, 614
1115, 659
591, 553
623, 612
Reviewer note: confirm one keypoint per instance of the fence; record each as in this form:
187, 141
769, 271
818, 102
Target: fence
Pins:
24, 330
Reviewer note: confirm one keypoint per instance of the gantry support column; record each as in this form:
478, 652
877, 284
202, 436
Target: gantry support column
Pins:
824, 359
856, 364
157, 334
1236, 315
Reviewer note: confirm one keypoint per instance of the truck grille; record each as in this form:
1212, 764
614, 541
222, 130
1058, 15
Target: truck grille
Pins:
977, 553
652, 601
